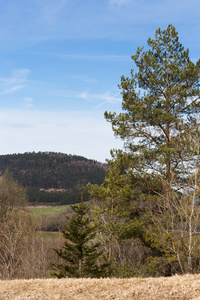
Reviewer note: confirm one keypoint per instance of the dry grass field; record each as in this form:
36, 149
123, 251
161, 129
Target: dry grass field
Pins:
177, 287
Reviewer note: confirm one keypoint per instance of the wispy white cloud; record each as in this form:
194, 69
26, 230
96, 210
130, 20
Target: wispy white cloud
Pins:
106, 97
110, 99
80, 56
16, 82
20, 74
111, 57
12, 89
83, 77
84, 95
28, 102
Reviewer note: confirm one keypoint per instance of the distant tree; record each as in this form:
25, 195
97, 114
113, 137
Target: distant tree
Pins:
12, 226
12, 195
80, 253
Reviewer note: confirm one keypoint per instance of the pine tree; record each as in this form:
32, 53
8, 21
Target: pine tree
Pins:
116, 206
160, 127
80, 254
159, 103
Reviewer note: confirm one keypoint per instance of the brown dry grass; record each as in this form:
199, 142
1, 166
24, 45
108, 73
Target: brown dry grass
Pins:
177, 287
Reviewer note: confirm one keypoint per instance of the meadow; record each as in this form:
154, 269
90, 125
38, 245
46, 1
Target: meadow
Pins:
178, 287
48, 210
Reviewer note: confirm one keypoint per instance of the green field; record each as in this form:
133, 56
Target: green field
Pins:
48, 210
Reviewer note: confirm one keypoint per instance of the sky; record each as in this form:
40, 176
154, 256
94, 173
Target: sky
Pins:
61, 62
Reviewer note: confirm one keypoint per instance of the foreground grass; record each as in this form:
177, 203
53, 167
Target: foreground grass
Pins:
176, 287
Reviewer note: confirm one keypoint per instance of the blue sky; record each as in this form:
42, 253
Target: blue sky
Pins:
61, 63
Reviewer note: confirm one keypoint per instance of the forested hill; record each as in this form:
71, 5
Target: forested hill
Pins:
48, 170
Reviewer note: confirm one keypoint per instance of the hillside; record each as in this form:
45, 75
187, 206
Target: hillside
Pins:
49, 171
52, 170
176, 287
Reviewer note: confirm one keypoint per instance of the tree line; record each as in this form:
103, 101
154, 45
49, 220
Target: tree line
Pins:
42, 197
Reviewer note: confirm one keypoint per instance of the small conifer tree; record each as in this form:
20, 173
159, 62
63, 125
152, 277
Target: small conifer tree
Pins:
80, 254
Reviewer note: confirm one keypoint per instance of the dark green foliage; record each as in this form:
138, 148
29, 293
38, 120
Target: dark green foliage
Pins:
36, 196
80, 254
120, 205
52, 170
